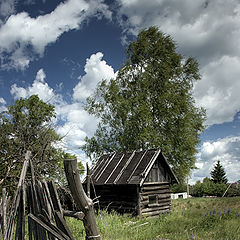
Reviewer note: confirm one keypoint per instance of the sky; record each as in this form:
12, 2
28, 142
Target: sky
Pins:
60, 50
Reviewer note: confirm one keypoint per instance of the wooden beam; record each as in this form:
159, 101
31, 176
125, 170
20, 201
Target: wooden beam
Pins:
155, 183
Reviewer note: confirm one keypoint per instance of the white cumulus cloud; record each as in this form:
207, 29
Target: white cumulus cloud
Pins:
218, 91
39, 87
21, 31
73, 122
2, 104
96, 70
226, 150
206, 30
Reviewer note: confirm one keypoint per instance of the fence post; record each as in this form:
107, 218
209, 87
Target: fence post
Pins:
84, 203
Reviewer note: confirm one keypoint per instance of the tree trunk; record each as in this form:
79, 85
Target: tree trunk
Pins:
84, 203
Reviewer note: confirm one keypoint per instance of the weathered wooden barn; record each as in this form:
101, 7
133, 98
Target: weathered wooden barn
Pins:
135, 182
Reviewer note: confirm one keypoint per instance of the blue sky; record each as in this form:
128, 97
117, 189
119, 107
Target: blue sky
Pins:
60, 50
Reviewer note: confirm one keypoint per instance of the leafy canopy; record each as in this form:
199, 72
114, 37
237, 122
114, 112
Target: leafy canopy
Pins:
27, 125
149, 104
218, 174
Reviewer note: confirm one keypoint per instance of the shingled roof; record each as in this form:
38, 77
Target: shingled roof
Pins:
128, 167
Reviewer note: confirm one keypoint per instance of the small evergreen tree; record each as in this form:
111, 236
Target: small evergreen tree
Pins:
218, 174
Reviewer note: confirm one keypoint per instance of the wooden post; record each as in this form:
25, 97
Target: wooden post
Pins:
88, 181
84, 203
4, 212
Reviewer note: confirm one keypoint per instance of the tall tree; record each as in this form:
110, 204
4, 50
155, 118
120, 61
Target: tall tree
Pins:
218, 174
149, 104
27, 125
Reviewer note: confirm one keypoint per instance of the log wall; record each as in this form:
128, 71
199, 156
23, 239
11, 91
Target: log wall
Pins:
120, 198
154, 199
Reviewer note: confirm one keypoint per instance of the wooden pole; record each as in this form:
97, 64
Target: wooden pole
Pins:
4, 212
84, 203
88, 181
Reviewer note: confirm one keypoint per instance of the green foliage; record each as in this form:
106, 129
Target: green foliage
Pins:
197, 189
233, 191
218, 174
149, 104
208, 188
27, 125
196, 218
178, 188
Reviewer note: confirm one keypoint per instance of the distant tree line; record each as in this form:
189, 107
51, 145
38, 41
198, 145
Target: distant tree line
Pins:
214, 186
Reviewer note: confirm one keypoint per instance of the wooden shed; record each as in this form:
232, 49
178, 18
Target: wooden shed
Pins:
135, 182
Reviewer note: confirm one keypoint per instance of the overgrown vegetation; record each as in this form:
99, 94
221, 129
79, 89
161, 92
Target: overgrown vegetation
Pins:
196, 218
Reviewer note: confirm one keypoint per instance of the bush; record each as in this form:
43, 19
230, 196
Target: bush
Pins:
209, 188
233, 191
219, 189
197, 189
178, 188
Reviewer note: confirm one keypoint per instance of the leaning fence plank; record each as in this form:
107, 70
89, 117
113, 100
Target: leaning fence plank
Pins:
4, 206
49, 227
54, 196
61, 224
50, 207
16, 198
20, 228
39, 232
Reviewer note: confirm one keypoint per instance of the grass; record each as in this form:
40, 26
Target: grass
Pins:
196, 218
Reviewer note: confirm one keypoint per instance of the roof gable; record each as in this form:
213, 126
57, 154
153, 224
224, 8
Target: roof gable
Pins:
126, 168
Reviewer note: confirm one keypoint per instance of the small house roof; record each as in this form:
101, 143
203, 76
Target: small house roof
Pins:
128, 167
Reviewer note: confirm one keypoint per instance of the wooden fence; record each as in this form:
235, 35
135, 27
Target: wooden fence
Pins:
44, 213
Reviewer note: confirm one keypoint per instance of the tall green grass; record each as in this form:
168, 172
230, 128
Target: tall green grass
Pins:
196, 218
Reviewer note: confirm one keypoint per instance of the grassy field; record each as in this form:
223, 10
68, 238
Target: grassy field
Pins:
195, 218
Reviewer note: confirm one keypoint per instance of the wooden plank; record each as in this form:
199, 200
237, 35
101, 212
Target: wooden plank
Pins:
155, 183
54, 196
155, 213
20, 228
146, 202
61, 224
49, 228
16, 198
154, 187
160, 196
4, 212
88, 180
50, 207
164, 207
163, 191
38, 232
